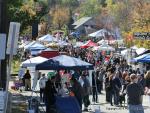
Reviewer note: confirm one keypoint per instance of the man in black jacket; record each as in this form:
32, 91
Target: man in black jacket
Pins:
116, 85
134, 93
49, 94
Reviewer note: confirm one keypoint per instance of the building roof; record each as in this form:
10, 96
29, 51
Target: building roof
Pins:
81, 21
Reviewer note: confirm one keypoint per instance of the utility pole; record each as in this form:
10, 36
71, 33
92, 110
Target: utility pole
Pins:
3, 29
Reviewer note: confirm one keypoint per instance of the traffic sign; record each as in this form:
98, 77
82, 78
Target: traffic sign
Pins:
13, 37
142, 35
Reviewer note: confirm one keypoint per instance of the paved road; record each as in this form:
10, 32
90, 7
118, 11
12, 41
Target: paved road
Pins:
107, 108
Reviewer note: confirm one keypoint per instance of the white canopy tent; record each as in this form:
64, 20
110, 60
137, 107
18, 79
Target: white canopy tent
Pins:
62, 43
47, 38
32, 62
34, 45
22, 45
102, 41
134, 47
123, 52
120, 42
29, 44
104, 47
78, 44
140, 50
100, 33
30, 65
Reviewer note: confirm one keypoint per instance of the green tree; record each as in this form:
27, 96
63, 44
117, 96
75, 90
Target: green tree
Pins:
60, 17
70, 3
90, 8
25, 11
103, 3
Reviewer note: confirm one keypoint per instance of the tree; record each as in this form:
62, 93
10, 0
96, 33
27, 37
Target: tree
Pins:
89, 8
60, 16
140, 20
70, 3
103, 3
140, 14
25, 12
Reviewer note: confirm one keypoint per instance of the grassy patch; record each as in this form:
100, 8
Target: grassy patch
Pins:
15, 66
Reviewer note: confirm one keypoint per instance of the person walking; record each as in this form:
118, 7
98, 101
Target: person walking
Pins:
147, 84
116, 84
94, 87
108, 86
134, 93
77, 91
101, 75
27, 80
49, 95
86, 92
42, 84
110, 89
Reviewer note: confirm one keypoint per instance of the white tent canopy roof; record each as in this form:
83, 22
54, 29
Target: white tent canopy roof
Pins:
32, 62
134, 47
34, 45
104, 47
64, 62
100, 33
22, 45
78, 44
124, 52
102, 41
63, 43
47, 38
140, 50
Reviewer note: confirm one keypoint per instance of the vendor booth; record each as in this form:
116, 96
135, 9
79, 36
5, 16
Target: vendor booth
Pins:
67, 103
100, 33
88, 44
62, 43
64, 62
35, 45
49, 53
30, 65
78, 44
47, 38
145, 58
34, 48
32, 62
104, 47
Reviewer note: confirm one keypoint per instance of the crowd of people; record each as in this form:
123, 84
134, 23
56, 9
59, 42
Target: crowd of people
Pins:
111, 73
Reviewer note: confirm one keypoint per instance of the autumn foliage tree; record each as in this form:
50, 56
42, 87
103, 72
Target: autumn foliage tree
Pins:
131, 16
140, 21
89, 8
26, 12
60, 16
141, 14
